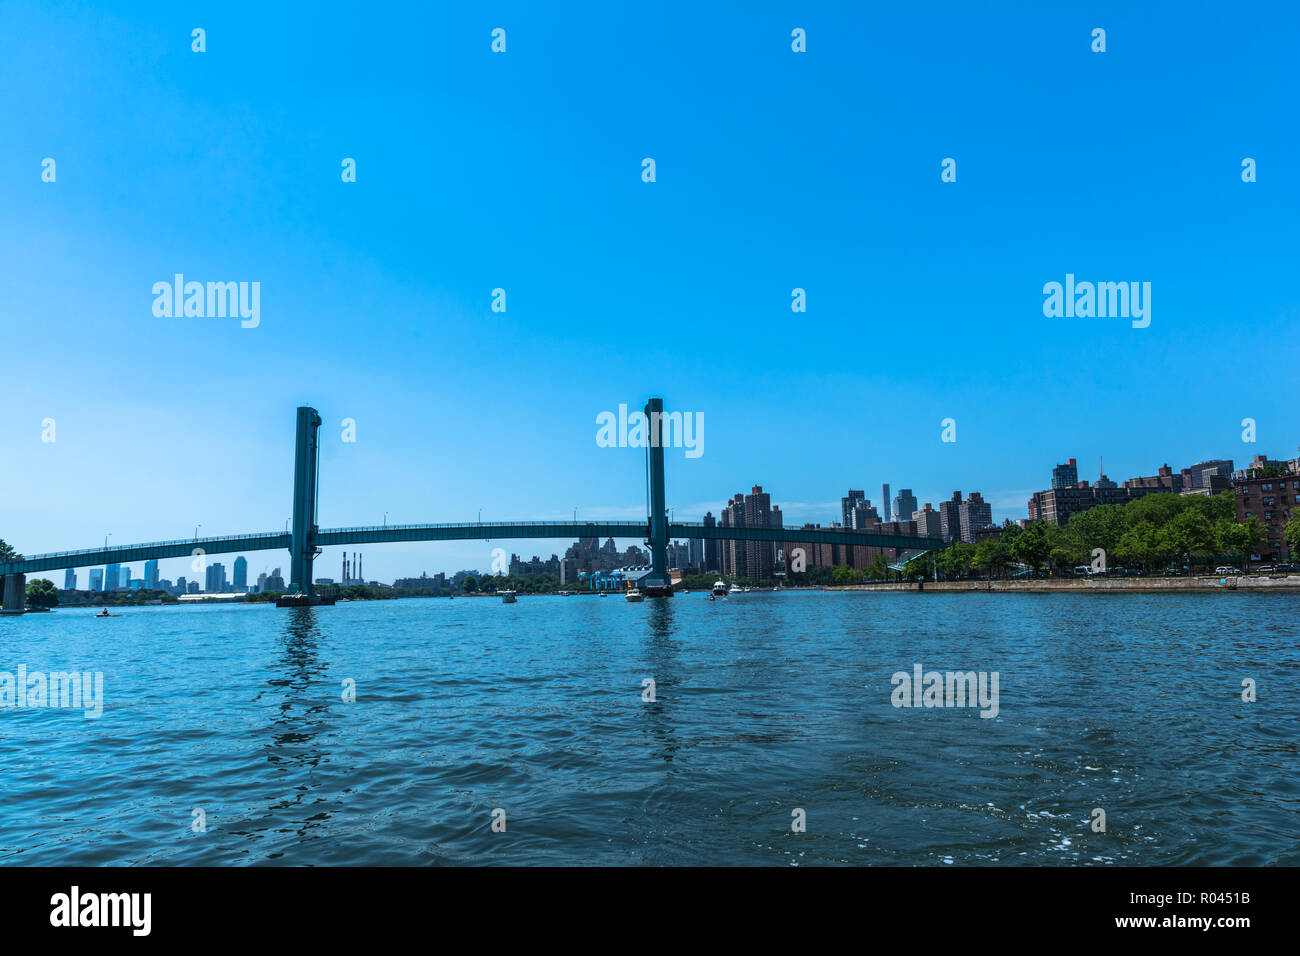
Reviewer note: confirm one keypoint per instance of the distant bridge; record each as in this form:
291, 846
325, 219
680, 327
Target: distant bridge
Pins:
304, 542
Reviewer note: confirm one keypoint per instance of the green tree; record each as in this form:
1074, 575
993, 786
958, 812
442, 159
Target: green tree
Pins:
42, 593
1033, 545
1292, 532
7, 553
470, 584
878, 569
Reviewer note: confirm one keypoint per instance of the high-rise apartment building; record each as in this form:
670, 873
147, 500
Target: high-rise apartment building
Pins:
70, 580
97, 579
241, 573
975, 514
1065, 476
950, 517
884, 501
151, 574
112, 573
755, 560
929, 523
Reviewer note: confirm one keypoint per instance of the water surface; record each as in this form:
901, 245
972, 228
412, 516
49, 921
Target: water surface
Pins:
765, 703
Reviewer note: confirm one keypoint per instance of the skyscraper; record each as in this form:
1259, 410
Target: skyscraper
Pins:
241, 573
124, 577
712, 547
904, 504
70, 580
97, 579
216, 578
111, 576
151, 574
884, 497
847, 504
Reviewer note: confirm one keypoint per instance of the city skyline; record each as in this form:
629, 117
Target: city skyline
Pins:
956, 518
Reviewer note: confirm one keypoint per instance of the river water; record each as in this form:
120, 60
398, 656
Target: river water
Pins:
225, 737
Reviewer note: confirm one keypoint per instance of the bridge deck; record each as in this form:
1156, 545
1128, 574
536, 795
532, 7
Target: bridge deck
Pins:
486, 531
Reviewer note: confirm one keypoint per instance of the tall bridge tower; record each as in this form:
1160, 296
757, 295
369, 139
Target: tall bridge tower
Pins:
306, 484
656, 583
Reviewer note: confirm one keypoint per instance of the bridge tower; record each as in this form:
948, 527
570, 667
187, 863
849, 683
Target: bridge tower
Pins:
656, 583
306, 483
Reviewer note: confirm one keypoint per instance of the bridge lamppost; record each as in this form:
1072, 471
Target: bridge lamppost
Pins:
385, 519
106, 537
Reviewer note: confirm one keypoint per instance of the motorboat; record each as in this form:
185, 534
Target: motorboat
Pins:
634, 595
719, 588
507, 597
736, 589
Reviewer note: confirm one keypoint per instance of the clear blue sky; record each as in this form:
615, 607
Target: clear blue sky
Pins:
522, 170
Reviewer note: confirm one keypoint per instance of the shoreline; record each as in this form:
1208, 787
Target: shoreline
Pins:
1046, 585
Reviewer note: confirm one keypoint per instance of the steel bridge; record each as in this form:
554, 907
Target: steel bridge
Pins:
307, 538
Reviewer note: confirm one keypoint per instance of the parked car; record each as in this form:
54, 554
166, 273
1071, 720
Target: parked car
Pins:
1226, 569
1266, 569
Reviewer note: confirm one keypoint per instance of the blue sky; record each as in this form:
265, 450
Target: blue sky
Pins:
522, 170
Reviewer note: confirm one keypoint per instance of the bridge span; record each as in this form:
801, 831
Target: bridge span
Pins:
307, 538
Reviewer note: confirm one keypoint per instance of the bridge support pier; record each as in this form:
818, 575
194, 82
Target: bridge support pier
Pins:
302, 549
15, 593
656, 583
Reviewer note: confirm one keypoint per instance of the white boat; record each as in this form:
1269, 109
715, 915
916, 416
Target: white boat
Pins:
719, 588
635, 595
736, 589
507, 597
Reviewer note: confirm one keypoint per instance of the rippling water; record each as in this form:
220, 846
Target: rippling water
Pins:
764, 703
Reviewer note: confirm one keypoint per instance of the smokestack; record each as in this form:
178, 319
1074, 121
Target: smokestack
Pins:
360, 576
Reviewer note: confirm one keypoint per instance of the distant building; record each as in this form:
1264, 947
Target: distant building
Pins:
1163, 481
712, 547
950, 517
884, 501
180, 585
864, 517
904, 504
975, 515
70, 580
274, 581
847, 504
124, 577
1065, 476
215, 582
241, 574
96, 579
1203, 474
929, 523
151, 574
112, 575
1273, 501
755, 560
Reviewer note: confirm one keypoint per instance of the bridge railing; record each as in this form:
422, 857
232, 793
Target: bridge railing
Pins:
175, 543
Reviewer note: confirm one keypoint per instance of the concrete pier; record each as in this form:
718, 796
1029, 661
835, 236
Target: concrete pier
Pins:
15, 593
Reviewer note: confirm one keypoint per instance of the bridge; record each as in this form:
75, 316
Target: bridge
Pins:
307, 538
